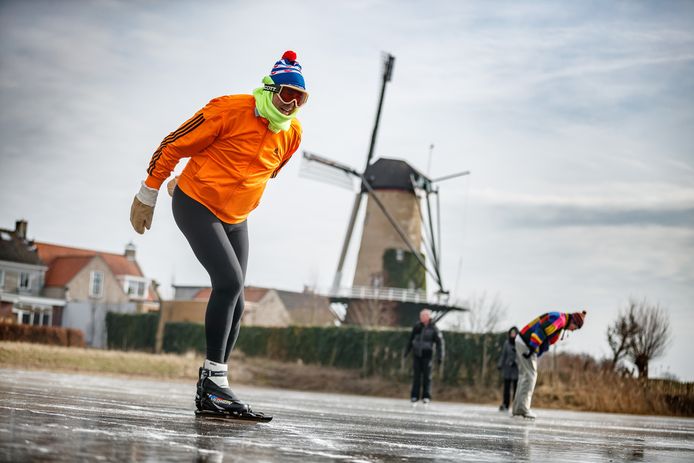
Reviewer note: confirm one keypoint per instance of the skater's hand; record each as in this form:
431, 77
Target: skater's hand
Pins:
171, 186
527, 355
142, 209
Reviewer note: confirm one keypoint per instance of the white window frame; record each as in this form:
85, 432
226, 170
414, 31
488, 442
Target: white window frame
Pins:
50, 317
2, 279
33, 313
28, 280
20, 314
134, 283
92, 278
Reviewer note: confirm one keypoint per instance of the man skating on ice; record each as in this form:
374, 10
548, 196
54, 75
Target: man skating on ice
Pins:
533, 341
425, 334
236, 143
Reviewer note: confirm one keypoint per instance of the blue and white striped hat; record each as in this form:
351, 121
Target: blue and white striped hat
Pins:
287, 71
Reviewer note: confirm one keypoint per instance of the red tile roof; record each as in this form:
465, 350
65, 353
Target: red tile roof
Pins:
63, 269
118, 263
254, 294
203, 294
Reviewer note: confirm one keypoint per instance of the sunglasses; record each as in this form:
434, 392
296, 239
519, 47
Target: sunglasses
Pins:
288, 94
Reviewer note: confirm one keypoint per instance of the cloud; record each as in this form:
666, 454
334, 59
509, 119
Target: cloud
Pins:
632, 204
542, 216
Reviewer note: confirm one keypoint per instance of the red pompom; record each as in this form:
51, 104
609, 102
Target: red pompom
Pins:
289, 55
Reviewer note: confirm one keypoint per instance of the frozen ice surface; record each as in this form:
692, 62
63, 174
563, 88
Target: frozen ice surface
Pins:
71, 417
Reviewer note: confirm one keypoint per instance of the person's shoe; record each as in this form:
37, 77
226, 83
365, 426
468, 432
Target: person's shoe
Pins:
426, 400
527, 415
503, 408
414, 400
211, 397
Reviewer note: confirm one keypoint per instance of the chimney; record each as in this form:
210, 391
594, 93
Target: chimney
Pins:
20, 229
130, 251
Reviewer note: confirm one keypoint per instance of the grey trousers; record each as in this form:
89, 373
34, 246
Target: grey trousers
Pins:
527, 376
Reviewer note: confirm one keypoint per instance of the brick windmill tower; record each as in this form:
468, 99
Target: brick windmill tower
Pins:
389, 286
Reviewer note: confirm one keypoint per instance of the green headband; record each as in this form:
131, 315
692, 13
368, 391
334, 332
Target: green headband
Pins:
263, 103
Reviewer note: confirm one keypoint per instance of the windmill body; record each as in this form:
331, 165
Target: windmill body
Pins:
382, 250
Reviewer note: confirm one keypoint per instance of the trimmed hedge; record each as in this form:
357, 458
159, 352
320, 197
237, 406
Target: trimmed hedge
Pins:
375, 352
182, 337
131, 331
52, 335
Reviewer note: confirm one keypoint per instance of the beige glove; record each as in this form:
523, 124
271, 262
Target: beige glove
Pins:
142, 209
171, 186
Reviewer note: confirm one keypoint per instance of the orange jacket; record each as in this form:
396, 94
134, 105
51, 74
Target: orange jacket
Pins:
232, 155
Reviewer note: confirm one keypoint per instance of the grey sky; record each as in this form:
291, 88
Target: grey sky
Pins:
575, 120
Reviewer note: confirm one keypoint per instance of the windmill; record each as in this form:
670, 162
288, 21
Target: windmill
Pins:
389, 286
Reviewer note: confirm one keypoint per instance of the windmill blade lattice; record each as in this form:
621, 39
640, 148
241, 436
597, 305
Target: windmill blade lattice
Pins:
310, 168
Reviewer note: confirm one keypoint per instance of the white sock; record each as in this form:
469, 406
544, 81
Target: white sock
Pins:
220, 381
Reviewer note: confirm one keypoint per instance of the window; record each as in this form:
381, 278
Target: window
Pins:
96, 284
33, 316
135, 288
24, 280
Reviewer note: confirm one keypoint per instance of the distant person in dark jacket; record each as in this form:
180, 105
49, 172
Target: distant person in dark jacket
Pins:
424, 336
509, 368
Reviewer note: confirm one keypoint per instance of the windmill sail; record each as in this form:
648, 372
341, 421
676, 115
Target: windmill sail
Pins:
311, 168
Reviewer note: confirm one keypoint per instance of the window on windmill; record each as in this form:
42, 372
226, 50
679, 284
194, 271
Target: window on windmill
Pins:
376, 280
399, 255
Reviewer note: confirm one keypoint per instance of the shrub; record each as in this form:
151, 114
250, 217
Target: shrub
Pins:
131, 331
184, 337
51, 335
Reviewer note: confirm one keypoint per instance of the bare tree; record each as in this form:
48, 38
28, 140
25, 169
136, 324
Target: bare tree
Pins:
484, 317
652, 338
485, 314
620, 334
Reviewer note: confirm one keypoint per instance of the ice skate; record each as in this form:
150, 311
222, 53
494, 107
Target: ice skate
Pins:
212, 400
527, 415
426, 401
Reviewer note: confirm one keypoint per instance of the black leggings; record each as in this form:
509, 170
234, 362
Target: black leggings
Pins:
222, 249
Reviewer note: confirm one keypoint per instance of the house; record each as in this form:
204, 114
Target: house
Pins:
93, 283
22, 277
263, 307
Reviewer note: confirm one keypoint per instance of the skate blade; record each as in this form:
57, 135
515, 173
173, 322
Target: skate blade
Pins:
246, 417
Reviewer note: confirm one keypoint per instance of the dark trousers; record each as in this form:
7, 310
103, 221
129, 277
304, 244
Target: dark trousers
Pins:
222, 249
509, 391
422, 377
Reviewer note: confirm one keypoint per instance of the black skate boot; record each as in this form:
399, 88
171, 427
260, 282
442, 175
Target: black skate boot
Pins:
216, 401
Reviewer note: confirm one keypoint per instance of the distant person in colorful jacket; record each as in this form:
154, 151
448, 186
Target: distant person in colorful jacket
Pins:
236, 143
508, 366
424, 340
533, 341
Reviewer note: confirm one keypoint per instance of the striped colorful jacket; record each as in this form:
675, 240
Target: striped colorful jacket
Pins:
232, 155
544, 331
